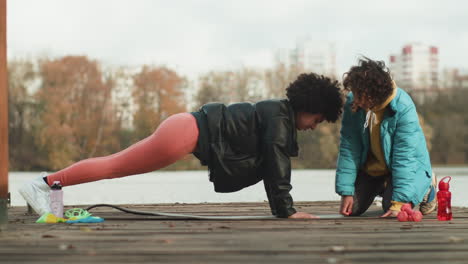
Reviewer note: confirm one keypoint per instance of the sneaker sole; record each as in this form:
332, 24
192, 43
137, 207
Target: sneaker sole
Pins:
426, 211
433, 203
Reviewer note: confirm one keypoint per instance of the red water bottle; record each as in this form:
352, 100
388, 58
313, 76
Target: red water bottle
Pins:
444, 197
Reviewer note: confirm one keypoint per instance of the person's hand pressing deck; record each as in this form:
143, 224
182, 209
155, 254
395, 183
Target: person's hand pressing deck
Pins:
302, 215
346, 207
390, 213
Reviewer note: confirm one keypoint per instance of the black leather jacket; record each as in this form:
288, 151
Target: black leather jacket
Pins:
245, 143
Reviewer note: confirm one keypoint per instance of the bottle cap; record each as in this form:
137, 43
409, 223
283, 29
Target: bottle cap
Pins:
56, 186
444, 186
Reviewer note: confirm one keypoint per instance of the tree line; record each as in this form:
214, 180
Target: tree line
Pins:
66, 109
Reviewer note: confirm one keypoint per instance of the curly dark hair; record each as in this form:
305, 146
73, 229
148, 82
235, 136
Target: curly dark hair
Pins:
316, 94
370, 81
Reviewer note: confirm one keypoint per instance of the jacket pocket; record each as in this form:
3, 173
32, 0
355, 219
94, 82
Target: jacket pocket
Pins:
422, 167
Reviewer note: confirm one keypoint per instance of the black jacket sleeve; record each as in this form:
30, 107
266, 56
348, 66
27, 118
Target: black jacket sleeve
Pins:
277, 167
270, 198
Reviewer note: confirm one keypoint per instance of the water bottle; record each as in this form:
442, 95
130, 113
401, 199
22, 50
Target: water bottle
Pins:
444, 197
56, 199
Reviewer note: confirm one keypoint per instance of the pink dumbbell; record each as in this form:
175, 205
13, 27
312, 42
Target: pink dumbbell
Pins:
417, 216
407, 214
402, 216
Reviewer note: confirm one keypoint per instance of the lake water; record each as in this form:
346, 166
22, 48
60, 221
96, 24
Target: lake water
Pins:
194, 187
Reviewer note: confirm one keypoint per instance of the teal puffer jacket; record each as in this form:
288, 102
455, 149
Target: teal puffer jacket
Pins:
403, 145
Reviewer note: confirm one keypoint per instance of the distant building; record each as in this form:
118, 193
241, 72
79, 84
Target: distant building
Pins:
453, 78
310, 56
416, 68
284, 57
462, 81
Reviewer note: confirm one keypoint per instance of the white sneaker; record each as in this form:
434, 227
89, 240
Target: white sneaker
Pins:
36, 194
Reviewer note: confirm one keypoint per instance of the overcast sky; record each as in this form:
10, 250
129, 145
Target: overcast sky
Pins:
198, 36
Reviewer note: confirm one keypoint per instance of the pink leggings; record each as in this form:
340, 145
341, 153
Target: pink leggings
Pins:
176, 137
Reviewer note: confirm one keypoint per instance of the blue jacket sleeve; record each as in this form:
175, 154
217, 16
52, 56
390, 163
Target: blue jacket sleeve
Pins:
404, 160
349, 155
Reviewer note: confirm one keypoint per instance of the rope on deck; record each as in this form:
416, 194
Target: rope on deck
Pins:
200, 217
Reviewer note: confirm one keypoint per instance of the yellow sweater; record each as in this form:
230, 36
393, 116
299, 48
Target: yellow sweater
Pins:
375, 164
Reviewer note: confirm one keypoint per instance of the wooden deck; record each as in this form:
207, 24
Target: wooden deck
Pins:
125, 238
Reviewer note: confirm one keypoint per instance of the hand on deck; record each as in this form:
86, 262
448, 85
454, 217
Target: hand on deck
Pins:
390, 213
302, 215
346, 207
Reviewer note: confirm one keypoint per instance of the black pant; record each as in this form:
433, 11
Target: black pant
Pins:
367, 188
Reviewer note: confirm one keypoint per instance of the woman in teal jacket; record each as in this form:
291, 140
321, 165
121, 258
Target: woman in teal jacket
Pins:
382, 148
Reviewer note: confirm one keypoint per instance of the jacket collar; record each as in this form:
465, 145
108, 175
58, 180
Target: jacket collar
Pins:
387, 101
393, 104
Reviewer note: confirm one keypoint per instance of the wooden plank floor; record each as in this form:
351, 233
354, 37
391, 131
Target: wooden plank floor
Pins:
124, 238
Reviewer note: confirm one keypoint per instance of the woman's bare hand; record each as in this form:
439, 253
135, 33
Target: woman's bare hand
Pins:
302, 215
